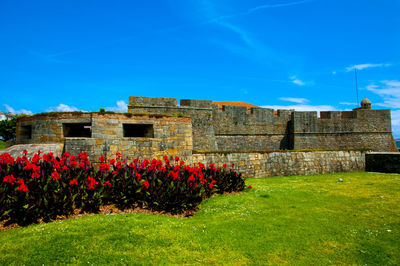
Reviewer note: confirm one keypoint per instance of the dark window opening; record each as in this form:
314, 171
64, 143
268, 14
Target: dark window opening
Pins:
325, 115
26, 132
347, 114
77, 130
138, 130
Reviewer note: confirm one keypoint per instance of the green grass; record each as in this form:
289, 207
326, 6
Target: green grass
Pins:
282, 220
2, 145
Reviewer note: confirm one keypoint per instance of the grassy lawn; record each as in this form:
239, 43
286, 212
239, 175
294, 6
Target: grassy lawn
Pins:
2, 145
294, 220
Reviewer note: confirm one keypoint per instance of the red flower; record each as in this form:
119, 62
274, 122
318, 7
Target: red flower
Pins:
138, 176
6, 158
73, 182
23, 188
112, 161
191, 178
181, 162
250, 186
146, 184
224, 165
176, 158
55, 176
101, 159
165, 157
83, 156
104, 167
174, 175
25, 152
118, 154
107, 183
92, 182
211, 185
35, 158
48, 157
9, 179
20, 181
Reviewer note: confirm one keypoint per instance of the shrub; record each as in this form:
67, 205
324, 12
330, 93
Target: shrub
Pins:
8, 128
45, 187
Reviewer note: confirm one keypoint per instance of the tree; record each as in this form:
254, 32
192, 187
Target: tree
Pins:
8, 128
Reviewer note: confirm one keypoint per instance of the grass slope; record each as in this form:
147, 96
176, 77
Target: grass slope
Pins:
2, 145
295, 220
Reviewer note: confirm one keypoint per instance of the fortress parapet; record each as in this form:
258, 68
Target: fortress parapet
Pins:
230, 127
159, 126
360, 128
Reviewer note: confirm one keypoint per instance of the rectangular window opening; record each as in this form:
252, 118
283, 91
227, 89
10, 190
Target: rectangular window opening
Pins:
77, 130
138, 130
26, 132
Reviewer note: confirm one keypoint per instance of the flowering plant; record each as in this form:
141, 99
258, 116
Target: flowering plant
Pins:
47, 186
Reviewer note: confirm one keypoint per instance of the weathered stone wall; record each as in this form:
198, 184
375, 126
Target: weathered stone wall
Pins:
385, 162
237, 128
199, 111
369, 129
172, 135
287, 163
232, 128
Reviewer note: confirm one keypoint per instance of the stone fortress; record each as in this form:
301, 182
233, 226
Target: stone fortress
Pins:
200, 130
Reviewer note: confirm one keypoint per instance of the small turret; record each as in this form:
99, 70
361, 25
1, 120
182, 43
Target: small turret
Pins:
365, 104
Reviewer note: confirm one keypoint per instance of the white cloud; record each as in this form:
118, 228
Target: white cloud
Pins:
121, 107
302, 107
63, 108
334, 72
13, 111
66, 108
294, 100
389, 90
297, 81
348, 103
257, 8
364, 66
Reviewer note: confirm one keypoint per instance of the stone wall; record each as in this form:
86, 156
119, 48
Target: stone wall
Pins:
369, 129
170, 135
287, 163
385, 162
235, 128
231, 128
199, 111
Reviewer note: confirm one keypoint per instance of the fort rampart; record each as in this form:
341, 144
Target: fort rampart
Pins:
235, 128
259, 141
140, 136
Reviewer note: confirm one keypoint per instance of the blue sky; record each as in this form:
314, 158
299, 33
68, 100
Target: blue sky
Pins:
83, 55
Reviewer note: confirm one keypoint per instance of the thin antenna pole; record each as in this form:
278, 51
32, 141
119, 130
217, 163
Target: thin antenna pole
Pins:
355, 72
